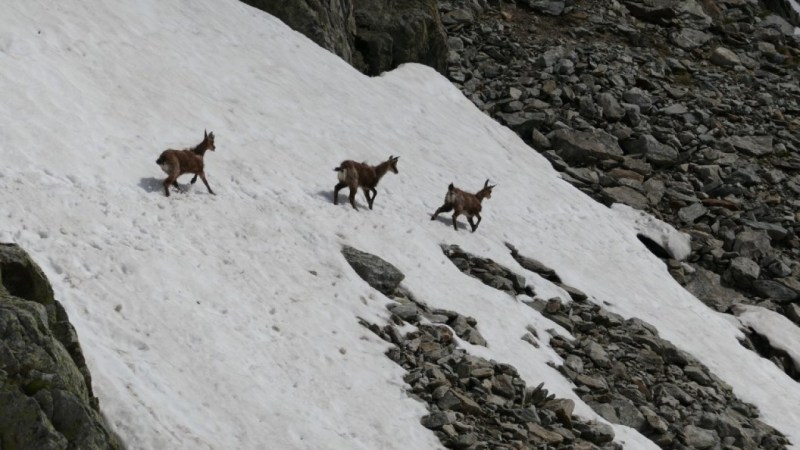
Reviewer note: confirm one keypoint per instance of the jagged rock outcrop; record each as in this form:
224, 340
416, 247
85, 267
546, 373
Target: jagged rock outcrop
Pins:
331, 24
390, 33
46, 399
374, 36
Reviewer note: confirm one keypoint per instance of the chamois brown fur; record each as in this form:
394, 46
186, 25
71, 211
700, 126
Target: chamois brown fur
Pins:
178, 162
361, 175
464, 203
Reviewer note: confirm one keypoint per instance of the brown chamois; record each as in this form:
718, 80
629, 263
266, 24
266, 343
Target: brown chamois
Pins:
178, 162
355, 175
464, 203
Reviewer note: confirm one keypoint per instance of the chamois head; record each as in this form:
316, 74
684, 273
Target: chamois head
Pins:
208, 140
393, 163
486, 191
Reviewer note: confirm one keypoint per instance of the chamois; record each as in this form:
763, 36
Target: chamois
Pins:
355, 175
464, 203
178, 162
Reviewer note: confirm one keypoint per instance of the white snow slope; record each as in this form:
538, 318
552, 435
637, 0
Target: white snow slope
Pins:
230, 321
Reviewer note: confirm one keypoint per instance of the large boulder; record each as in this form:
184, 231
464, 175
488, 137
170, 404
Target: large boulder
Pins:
378, 273
392, 33
585, 147
670, 12
330, 23
46, 398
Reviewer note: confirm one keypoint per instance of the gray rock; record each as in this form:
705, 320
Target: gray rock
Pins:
457, 401
549, 7
675, 109
707, 287
628, 413
638, 97
597, 354
688, 38
654, 420
585, 147
721, 56
754, 244
408, 312
689, 214
539, 140
775, 291
47, 401
375, 271
438, 419
750, 145
655, 152
700, 438
627, 196
598, 433
744, 271
612, 110
669, 12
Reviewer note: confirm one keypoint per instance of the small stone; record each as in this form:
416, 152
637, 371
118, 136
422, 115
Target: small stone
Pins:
438, 419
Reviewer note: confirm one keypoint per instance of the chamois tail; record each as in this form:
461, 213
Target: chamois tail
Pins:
161, 160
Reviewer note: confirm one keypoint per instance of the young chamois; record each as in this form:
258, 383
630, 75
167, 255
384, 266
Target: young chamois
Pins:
464, 203
178, 162
355, 175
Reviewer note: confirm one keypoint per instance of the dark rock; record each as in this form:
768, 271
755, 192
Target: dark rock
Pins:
689, 39
655, 152
375, 271
700, 438
45, 386
721, 56
549, 7
585, 147
753, 244
744, 271
331, 24
750, 145
611, 108
437, 420
775, 291
392, 33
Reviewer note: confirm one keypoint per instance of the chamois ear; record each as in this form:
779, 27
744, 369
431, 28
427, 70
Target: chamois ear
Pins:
486, 184
394, 158
450, 187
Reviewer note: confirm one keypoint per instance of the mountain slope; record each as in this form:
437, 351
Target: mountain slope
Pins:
230, 321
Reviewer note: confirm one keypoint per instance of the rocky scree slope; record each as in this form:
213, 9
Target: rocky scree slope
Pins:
687, 110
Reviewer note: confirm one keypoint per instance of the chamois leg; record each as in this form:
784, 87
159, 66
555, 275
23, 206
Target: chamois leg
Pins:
447, 207
336, 190
353, 191
194, 179
455, 224
472, 223
370, 201
203, 177
476, 224
171, 180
